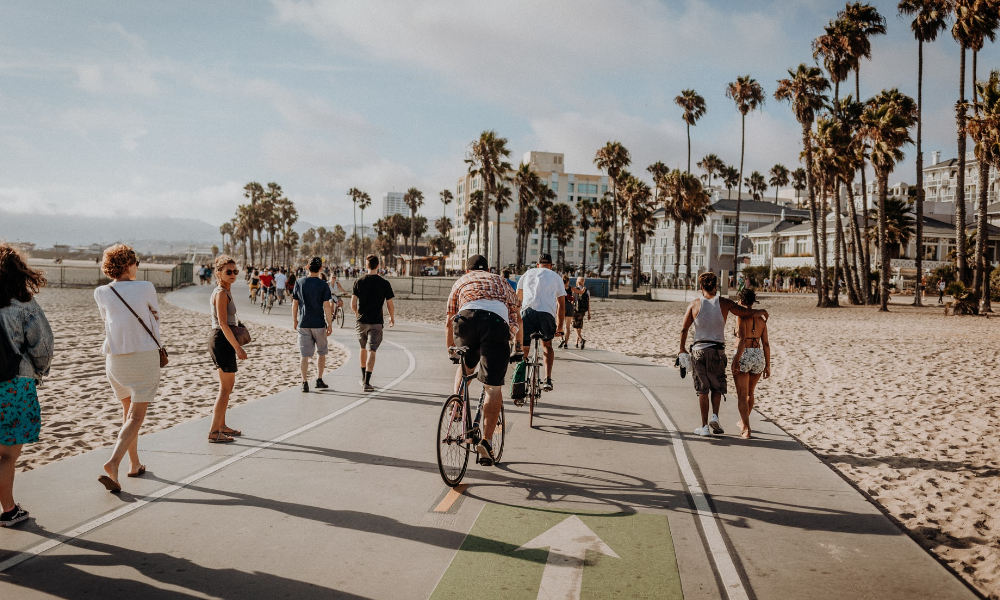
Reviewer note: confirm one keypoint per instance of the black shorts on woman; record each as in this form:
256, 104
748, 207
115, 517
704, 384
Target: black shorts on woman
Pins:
487, 337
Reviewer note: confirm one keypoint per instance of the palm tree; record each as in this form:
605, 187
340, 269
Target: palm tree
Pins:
658, 170
711, 165
364, 201
929, 19
602, 244
544, 201
798, 183
731, 178
984, 127
639, 216
527, 183
677, 187
414, 199
861, 22
255, 193
472, 217
779, 179
694, 109
501, 201
446, 198
885, 123
585, 207
355, 195
225, 229
974, 21
612, 159
694, 210
604, 215
748, 95
898, 225
833, 155
756, 185
486, 159
561, 224
804, 88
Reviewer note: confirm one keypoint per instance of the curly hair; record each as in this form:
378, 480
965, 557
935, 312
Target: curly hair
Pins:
708, 281
746, 297
117, 260
17, 280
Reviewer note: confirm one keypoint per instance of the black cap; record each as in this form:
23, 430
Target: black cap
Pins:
544, 258
477, 262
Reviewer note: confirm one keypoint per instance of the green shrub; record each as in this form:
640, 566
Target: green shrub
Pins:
946, 272
955, 289
995, 285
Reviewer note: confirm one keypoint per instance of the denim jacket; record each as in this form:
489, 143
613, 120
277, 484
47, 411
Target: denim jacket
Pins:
29, 334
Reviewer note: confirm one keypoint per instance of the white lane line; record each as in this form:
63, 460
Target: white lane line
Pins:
170, 489
713, 535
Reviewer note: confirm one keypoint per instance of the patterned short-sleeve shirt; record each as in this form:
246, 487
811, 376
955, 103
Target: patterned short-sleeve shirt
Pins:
483, 285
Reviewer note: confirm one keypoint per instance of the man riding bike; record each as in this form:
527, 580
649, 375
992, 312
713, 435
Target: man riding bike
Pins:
543, 304
266, 284
483, 315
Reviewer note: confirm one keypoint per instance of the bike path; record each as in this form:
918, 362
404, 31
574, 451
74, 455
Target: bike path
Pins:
334, 495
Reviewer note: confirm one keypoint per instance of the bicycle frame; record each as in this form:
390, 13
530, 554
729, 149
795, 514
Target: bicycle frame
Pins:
463, 391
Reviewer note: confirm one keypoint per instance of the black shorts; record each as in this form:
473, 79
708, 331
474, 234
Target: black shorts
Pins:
487, 336
569, 309
222, 352
538, 322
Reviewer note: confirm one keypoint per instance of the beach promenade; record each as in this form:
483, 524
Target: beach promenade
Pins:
336, 495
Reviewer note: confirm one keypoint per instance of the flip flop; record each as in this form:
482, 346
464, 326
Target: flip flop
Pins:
110, 484
219, 439
139, 473
232, 432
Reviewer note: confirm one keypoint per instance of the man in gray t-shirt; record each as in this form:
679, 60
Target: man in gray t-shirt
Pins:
314, 323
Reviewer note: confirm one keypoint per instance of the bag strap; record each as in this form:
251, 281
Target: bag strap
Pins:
141, 322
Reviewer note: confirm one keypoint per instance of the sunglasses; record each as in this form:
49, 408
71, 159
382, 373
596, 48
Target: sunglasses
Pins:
232, 271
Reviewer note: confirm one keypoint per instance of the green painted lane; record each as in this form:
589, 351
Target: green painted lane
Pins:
507, 555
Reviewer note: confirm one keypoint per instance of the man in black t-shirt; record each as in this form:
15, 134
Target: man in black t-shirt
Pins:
313, 318
370, 292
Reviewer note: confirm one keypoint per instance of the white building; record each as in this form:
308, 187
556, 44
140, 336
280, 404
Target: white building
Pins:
569, 188
392, 204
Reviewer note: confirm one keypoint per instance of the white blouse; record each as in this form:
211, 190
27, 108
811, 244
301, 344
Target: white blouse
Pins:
123, 333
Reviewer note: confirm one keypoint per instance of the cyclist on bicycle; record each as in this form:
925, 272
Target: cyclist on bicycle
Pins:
483, 315
266, 281
542, 298
336, 289
254, 284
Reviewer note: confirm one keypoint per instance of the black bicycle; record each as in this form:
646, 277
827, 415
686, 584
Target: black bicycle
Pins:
533, 378
459, 432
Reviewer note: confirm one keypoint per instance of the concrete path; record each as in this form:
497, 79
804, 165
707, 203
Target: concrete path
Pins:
337, 495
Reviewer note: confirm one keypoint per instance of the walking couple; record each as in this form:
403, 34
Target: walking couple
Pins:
708, 359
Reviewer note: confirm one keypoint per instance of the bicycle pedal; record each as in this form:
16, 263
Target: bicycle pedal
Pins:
519, 403
485, 462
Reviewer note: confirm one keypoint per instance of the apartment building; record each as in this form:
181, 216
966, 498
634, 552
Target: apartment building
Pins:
569, 188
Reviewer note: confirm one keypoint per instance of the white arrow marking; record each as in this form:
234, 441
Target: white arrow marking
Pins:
568, 543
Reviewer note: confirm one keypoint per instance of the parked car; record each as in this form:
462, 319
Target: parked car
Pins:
431, 271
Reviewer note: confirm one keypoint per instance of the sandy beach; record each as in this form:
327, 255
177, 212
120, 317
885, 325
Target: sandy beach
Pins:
79, 411
902, 404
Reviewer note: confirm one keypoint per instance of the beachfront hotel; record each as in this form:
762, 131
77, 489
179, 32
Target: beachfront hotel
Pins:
714, 241
569, 188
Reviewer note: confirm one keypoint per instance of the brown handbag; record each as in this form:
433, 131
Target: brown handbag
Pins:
164, 359
240, 331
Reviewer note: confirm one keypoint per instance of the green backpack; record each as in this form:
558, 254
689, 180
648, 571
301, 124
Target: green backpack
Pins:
518, 389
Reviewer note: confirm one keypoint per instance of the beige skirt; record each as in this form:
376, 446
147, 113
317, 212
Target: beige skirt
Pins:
135, 375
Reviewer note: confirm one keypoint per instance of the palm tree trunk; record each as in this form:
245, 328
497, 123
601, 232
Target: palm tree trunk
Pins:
413, 235
857, 257
583, 262
918, 290
864, 204
824, 283
614, 238
689, 238
960, 249
677, 251
883, 243
739, 198
838, 246
497, 262
485, 249
363, 230
850, 266
982, 235
811, 187
354, 222
689, 150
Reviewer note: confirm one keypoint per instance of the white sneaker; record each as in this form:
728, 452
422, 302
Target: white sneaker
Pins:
703, 430
715, 425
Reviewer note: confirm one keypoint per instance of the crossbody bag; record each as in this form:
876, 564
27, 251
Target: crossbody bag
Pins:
164, 359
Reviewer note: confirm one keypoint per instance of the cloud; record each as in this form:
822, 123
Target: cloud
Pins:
130, 141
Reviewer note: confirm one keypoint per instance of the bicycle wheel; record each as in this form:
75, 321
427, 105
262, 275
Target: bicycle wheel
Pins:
498, 435
340, 316
452, 452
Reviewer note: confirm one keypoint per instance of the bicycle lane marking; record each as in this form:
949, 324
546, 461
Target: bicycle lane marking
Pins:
89, 526
721, 556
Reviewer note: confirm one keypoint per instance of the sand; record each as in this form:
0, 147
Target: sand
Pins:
904, 404
79, 411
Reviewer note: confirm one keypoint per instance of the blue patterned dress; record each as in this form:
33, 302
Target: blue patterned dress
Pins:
20, 414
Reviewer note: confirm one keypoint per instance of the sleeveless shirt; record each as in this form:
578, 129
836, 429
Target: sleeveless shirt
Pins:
709, 326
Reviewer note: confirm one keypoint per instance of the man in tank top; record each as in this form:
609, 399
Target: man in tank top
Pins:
708, 314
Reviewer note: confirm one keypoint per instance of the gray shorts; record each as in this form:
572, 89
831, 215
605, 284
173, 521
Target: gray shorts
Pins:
312, 341
708, 368
369, 335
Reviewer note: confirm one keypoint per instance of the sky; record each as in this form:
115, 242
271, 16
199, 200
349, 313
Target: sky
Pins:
152, 109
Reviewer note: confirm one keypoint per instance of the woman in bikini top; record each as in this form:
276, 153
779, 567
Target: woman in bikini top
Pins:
752, 360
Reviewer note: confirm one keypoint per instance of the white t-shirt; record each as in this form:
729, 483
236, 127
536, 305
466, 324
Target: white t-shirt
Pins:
494, 306
542, 289
122, 331
280, 280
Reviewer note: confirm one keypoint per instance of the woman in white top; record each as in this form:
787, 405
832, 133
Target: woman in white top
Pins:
133, 358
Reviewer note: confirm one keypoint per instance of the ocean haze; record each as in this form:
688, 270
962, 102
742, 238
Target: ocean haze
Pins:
146, 234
